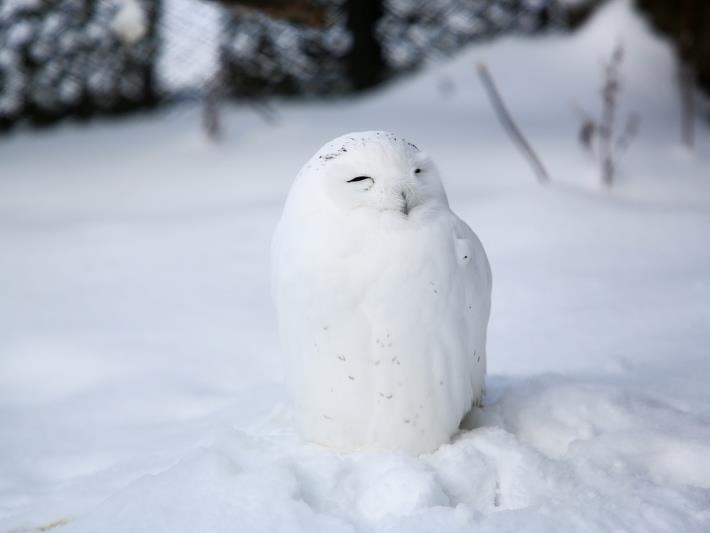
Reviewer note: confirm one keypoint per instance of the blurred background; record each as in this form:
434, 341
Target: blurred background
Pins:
146, 150
78, 58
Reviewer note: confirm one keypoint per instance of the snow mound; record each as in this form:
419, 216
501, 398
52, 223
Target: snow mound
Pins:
551, 452
634, 433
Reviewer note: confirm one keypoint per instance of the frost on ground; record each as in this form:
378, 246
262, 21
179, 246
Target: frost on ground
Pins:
141, 387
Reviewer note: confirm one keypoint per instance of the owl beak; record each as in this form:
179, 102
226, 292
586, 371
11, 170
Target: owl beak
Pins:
405, 206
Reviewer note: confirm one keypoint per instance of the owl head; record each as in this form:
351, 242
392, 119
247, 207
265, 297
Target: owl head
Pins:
374, 171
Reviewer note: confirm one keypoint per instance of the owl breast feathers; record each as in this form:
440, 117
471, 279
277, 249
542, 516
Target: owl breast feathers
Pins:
382, 296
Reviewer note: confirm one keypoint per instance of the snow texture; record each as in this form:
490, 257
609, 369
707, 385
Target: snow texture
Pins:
141, 385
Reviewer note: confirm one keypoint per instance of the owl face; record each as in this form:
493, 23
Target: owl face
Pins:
378, 171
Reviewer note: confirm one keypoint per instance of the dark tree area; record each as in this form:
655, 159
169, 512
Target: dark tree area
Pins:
271, 49
365, 60
306, 12
687, 23
364, 42
85, 57
76, 58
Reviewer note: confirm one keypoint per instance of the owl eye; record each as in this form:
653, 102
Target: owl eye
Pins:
417, 170
360, 178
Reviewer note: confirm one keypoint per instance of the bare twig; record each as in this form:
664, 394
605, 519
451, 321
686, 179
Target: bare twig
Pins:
610, 92
629, 133
509, 125
687, 42
600, 136
687, 99
587, 130
212, 106
265, 110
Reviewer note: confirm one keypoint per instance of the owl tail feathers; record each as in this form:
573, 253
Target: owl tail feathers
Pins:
474, 418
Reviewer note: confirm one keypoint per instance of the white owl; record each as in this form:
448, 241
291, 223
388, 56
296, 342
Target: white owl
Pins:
382, 296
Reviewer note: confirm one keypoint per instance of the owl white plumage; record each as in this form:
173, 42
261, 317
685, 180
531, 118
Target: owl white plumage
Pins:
382, 296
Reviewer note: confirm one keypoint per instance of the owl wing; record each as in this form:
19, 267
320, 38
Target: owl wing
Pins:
474, 261
476, 283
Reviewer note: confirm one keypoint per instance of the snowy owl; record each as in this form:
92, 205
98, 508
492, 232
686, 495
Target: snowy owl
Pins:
382, 296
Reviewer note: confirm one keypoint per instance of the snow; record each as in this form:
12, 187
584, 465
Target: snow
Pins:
141, 384
130, 21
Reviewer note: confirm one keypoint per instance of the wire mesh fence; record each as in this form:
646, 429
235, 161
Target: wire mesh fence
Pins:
82, 57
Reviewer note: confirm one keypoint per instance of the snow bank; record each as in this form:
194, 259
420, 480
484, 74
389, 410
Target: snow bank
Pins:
574, 455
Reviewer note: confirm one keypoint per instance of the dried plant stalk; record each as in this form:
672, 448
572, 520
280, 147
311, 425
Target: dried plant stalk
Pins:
509, 125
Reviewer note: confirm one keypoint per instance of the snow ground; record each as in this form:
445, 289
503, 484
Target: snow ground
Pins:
140, 376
